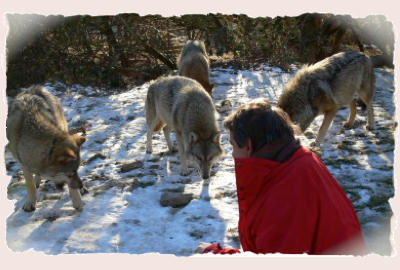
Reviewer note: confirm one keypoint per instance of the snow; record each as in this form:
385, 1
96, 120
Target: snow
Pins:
121, 217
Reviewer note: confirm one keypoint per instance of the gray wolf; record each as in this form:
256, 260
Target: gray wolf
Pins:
327, 86
193, 62
39, 140
182, 104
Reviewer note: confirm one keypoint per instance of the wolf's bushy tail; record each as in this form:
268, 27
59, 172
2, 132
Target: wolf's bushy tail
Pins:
381, 60
150, 108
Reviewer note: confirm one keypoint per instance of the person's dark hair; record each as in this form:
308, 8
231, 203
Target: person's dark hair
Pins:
261, 123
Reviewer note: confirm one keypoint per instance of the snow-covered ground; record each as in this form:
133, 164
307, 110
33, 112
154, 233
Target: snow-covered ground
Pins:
122, 212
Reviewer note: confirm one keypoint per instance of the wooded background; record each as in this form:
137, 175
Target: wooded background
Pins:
127, 49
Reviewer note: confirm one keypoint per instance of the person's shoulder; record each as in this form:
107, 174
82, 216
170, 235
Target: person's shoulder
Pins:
303, 155
303, 167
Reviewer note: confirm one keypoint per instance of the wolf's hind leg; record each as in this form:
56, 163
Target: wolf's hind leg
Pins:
149, 146
37, 180
167, 132
152, 125
366, 94
30, 203
370, 109
352, 115
368, 102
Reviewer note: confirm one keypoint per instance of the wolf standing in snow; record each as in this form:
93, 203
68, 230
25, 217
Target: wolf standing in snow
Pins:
182, 104
327, 86
193, 63
39, 140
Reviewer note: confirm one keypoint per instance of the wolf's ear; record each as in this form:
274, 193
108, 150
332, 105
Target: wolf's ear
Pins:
193, 137
217, 137
79, 139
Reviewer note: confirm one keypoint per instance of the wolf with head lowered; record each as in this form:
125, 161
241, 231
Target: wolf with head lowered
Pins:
326, 87
182, 104
39, 140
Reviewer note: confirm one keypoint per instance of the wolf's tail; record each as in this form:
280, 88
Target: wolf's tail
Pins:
382, 60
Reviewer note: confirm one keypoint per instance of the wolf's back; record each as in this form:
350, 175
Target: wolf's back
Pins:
343, 62
347, 73
36, 112
194, 65
164, 91
194, 111
163, 95
332, 70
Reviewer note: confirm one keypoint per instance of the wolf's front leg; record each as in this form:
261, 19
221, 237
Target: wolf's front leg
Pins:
328, 117
30, 203
181, 150
76, 199
184, 167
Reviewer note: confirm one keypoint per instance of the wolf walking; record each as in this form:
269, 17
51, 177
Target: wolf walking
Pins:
327, 86
39, 140
194, 63
182, 104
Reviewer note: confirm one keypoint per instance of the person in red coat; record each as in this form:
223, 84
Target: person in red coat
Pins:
288, 200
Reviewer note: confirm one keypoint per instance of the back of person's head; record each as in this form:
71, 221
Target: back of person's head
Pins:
261, 123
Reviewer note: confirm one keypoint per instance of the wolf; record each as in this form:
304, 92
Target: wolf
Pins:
181, 103
326, 87
38, 138
193, 62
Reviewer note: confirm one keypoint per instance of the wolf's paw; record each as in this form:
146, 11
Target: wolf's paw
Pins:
78, 205
348, 125
75, 195
29, 206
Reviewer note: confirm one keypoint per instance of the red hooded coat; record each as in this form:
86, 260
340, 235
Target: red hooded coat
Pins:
294, 207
